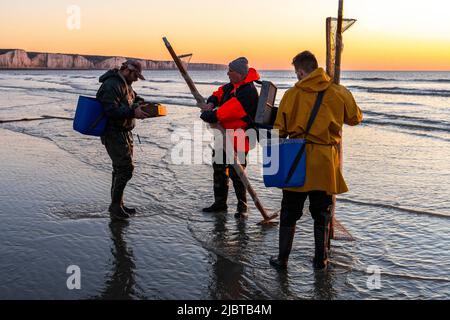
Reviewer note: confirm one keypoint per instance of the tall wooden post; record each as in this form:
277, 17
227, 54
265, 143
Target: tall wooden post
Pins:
337, 61
330, 65
337, 80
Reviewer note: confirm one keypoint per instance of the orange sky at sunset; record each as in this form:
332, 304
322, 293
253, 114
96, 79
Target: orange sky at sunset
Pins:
389, 35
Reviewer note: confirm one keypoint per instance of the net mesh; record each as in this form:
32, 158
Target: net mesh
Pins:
339, 232
331, 41
185, 59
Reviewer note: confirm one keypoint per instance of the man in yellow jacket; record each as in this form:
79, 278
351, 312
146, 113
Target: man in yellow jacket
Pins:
323, 174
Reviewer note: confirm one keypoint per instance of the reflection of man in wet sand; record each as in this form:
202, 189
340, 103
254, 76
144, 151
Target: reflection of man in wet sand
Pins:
121, 284
228, 280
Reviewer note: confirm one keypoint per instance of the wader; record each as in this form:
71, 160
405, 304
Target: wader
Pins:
119, 145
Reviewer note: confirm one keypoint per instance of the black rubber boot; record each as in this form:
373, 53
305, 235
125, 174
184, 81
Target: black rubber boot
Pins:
241, 211
285, 246
117, 212
321, 238
241, 195
216, 207
129, 210
220, 190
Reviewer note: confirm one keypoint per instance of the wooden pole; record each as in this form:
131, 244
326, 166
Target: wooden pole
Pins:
337, 80
236, 165
330, 70
337, 61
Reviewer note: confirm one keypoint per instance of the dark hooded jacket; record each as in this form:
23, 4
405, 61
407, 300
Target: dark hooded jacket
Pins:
118, 100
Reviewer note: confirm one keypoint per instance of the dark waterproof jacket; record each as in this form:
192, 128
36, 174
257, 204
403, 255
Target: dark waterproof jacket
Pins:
118, 100
237, 104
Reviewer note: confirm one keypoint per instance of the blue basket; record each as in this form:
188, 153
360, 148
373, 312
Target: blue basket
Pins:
89, 117
278, 158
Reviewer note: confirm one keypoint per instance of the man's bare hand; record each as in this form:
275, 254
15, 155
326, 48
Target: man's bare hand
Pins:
206, 106
140, 114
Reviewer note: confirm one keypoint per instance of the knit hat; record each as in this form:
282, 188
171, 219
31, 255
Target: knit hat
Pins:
240, 65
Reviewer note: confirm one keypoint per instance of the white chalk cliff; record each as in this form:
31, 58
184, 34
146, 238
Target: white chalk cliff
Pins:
20, 59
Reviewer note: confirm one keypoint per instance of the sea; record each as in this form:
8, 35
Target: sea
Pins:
396, 164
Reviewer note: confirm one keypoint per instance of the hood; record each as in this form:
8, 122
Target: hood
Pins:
252, 75
317, 81
109, 74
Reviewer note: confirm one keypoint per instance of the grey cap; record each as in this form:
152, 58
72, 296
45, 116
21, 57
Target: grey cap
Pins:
136, 66
240, 65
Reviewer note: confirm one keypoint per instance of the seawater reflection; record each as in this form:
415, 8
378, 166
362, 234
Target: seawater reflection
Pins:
121, 283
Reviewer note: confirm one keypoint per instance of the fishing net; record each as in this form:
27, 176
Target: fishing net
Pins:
338, 231
331, 41
185, 59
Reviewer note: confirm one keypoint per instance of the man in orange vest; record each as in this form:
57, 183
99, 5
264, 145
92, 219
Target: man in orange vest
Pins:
233, 106
323, 174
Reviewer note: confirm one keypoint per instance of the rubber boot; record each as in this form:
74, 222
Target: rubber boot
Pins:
116, 209
241, 195
242, 207
220, 192
285, 246
117, 212
321, 238
129, 210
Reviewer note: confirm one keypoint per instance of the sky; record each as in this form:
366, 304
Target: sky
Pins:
389, 34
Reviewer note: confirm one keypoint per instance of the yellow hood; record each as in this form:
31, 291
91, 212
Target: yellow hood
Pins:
316, 81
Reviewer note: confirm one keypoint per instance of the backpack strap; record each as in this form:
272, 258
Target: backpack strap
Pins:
312, 117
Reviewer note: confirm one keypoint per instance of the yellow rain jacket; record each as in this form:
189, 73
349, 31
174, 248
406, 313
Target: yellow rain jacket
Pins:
322, 156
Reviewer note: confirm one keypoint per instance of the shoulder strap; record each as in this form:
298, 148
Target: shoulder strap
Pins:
312, 117
314, 112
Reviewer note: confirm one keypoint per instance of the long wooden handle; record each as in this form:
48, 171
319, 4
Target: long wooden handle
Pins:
198, 97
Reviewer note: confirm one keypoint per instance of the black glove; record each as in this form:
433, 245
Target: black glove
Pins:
209, 116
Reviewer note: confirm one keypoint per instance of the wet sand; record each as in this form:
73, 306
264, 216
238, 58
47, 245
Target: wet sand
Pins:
53, 215
54, 191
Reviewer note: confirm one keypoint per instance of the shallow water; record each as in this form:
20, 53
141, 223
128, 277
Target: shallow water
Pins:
55, 186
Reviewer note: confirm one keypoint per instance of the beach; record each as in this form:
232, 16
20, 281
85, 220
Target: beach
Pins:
54, 191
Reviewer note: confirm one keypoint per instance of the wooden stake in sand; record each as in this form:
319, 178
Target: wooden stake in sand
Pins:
236, 165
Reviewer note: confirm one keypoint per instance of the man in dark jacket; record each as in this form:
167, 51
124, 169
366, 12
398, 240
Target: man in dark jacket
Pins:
121, 105
233, 106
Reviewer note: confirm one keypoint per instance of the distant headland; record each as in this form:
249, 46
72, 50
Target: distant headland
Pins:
21, 59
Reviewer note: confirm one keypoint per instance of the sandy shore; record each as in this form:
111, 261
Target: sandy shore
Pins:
53, 215
54, 191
